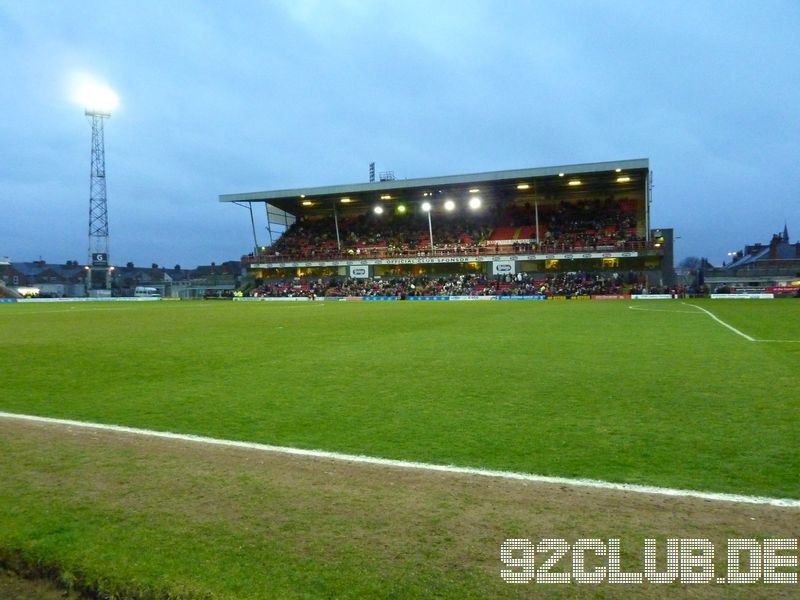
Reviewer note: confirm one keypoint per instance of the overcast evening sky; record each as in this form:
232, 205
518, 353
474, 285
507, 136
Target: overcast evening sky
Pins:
238, 96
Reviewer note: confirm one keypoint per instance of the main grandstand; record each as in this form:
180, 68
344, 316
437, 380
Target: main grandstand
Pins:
565, 228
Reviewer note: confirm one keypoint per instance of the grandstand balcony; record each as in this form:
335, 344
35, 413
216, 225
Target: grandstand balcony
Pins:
362, 253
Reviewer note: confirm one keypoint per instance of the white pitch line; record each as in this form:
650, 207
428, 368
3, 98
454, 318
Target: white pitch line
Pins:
721, 322
403, 464
685, 312
713, 316
65, 310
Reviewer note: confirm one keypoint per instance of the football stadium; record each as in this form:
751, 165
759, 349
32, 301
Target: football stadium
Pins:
321, 432
500, 233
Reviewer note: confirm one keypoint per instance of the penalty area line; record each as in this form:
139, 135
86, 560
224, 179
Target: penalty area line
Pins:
403, 464
723, 323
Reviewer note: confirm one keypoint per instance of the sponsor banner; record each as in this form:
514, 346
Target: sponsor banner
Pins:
651, 296
511, 242
783, 289
8, 299
107, 299
430, 259
271, 299
504, 267
521, 297
472, 297
379, 297
613, 297
429, 297
742, 296
359, 271
416, 260
581, 297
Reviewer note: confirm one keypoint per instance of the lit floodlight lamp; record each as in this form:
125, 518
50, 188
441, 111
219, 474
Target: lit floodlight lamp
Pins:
449, 205
474, 190
401, 208
475, 203
98, 99
378, 210
623, 179
523, 186
574, 182
426, 206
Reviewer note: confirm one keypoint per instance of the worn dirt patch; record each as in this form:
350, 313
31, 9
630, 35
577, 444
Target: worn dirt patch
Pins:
444, 523
12, 586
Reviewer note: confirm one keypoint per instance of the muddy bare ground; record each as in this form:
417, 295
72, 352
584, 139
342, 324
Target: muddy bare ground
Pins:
14, 587
442, 522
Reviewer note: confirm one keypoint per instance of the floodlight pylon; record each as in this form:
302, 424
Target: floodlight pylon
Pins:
98, 201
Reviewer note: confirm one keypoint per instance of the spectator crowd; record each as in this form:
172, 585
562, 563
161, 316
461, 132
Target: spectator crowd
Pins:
521, 284
590, 225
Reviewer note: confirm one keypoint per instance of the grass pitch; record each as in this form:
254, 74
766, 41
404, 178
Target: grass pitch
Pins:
662, 396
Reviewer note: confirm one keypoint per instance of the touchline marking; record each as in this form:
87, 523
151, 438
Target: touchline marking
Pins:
66, 310
403, 464
685, 312
721, 322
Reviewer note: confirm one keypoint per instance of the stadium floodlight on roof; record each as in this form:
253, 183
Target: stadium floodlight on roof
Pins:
427, 207
98, 101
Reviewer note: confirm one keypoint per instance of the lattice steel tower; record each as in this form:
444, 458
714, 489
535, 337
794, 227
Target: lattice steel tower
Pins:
99, 275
